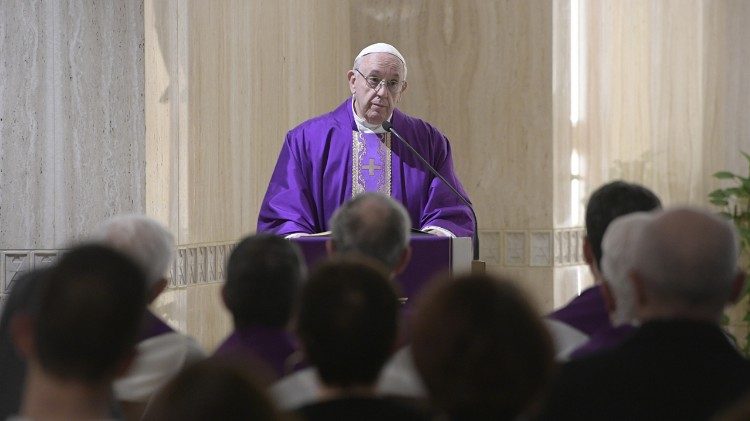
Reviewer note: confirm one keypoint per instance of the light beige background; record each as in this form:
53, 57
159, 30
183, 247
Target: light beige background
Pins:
180, 111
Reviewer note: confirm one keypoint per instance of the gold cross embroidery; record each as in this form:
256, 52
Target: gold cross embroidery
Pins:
371, 167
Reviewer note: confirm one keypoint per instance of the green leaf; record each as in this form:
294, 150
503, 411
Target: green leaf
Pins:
723, 175
719, 202
718, 194
724, 319
746, 156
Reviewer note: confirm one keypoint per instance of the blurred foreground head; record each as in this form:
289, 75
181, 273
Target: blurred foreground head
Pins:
480, 348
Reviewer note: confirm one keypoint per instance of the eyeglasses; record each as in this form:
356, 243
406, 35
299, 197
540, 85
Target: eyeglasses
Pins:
393, 86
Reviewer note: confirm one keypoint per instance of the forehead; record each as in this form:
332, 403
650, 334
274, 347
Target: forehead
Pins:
383, 63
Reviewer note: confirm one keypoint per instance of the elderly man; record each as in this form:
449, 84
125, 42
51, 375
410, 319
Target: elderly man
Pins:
336, 156
586, 314
678, 364
162, 351
618, 249
372, 225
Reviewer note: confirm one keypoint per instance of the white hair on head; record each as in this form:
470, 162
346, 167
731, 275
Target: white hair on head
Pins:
618, 249
687, 259
380, 47
144, 240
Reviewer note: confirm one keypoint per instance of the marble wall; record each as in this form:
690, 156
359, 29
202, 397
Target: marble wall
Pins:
71, 124
178, 108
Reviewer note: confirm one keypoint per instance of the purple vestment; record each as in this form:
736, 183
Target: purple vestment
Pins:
313, 175
272, 346
586, 313
604, 339
153, 326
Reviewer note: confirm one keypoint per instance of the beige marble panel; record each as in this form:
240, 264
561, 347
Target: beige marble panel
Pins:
230, 78
481, 72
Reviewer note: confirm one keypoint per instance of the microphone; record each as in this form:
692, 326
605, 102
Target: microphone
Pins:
387, 126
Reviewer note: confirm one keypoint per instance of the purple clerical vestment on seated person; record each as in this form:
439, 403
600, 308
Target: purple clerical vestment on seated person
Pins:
271, 346
326, 161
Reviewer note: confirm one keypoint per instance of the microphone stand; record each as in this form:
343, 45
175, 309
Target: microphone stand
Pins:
477, 266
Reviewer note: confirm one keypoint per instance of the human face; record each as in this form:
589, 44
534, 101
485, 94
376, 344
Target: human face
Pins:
376, 105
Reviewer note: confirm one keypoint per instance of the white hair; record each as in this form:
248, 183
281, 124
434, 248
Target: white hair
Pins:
618, 249
687, 259
144, 240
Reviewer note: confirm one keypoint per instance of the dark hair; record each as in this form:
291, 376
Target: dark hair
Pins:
213, 389
263, 275
611, 201
91, 305
347, 321
481, 349
373, 225
12, 366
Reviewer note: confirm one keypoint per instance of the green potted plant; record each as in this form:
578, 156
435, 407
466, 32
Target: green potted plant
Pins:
734, 202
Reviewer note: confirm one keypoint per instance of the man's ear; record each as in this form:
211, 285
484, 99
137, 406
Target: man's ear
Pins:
639, 288
156, 289
588, 252
330, 247
590, 259
124, 364
22, 334
351, 77
738, 284
609, 297
403, 262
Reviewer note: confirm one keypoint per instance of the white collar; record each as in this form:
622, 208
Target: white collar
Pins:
365, 127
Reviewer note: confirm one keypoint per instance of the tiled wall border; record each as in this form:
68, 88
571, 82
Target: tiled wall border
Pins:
193, 264
532, 248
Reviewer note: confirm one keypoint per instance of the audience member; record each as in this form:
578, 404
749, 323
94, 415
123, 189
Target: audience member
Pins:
347, 325
572, 325
375, 226
12, 366
162, 351
213, 389
618, 248
678, 365
481, 349
264, 274
82, 334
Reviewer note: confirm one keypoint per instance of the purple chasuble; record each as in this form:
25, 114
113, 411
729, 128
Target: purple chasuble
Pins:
586, 313
313, 175
272, 346
153, 326
602, 340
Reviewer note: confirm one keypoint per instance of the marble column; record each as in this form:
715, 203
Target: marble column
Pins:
72, 150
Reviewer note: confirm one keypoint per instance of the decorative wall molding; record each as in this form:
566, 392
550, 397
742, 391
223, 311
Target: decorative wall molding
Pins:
532, 248
193, 264
199, 264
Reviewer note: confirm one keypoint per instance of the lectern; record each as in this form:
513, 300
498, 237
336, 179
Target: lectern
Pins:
431, 256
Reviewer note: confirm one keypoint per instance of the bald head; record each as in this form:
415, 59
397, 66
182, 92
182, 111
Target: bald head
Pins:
686, 264
373, 225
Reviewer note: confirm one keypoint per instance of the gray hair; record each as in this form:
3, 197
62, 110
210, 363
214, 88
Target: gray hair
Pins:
374, 225
144, 240
618, 250
687, 258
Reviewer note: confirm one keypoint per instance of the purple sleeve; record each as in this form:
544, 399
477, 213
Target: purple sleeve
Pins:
443, 208
288, 206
